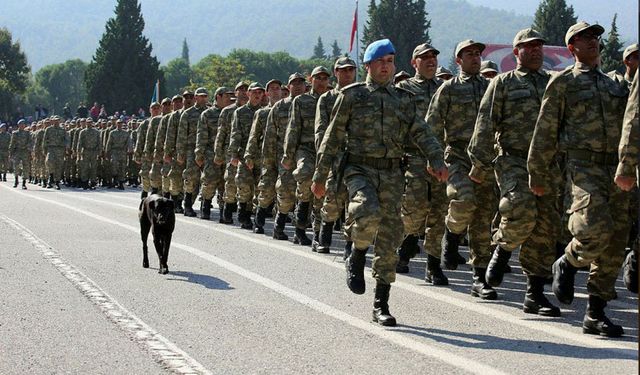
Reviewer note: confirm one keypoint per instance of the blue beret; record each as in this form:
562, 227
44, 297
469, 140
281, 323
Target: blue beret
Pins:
378, 49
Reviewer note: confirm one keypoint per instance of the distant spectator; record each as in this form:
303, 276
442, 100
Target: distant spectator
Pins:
103, 113
36, 112
66, 111
95, 111
82, 111
142, 113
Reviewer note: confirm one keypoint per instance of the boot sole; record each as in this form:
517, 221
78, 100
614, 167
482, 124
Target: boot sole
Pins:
491, 297
534, 311
388, 323
555, 287
438, 283
593, 331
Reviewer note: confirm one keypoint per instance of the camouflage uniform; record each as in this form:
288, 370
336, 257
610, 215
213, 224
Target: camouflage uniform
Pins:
158, 153
38, 156
132, 167
253, 154
212, 174
581, 113
89, 148
186, 145
54, 142
116, 150
105, 165
222, 155
5, 139
155, 176
20, 153
138, 154
176, 184
240, 128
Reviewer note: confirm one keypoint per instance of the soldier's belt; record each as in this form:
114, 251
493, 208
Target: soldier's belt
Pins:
378, 163
602, 158
513, 152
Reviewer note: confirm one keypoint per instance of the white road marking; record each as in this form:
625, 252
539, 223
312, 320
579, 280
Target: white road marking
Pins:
163, 351
479, 308
397, 338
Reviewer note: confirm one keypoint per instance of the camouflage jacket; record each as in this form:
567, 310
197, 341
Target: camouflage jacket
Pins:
186, 139
272, 145
118, 141
506, 119
20, 142
582, 109
161, 136
629, 149
5, 139
37, 138
206, 133
323, 114
240, 128
301, 127
375, 121
55, 137
256, 137
172, 134
140, 140
89, 141
221, 147
150, 138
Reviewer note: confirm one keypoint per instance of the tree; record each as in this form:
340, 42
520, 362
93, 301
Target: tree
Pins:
404, 22
177, 75
214, 71
64, 83
553, 18
14, 72
336, 51
611, 57
319, 51
122, 72
263, 66
185, 51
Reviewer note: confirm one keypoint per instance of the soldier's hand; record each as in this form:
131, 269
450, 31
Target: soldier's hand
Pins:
441, 174
318, 190
249, 164
625, 182
217, 162
199, 162
168, 159
286, 165
235, 161
180, 159
538, 191
476, 179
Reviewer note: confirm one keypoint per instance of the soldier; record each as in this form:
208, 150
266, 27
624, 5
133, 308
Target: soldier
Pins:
155, 172
106, 161
489, 69
630, 59
19, 153
272, 152
118, 147
222, 155
89, 149
505, 122
176, 183
253, 155
374, 121
5, 139
54, 144
39, 169
212, 174
138, 153
299, 148
581, 113
401, 76
132, 169
444, 73
185, 147
161, 137
344, 69
453, 110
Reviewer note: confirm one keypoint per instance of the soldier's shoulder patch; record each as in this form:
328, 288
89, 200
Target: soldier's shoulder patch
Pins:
404, 91
353, 86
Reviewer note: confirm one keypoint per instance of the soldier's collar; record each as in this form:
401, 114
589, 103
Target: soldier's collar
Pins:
521, 71
584, 68
373, 86
464, 76
420, 78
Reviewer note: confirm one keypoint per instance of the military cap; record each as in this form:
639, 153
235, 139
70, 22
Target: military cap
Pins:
442, 71
255, 86
402, 74
223, 90
319, 70
201, 91
295, 76
239, 85
468, 43
378, 49
154, 104
488, 66
629, 50
580, 27
344, 62
89, 119
273, 81
21, 122
527, 35
187, 93
3, 125
422, 49
166, 101
119, 121
176, 97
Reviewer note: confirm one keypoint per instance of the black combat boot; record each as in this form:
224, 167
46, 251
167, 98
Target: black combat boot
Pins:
450, 244
348, 245
258, 224
564, 274
434, 274
630, 272
121, 185
167, 195
15, 184
188, 205
24, 184
4, 177
315, 242
535, 302
302, 215
205, 213
324, 244
227, 214
381, 314
221, 213
177, 204
407, 250
596, 323
355, 270
154, 190
480, 288
85, 185
244, 216
301, 238
143, 195
278, 229
497, 264
50, 184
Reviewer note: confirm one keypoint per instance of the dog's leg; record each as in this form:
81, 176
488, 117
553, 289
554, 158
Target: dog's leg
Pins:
157, 242
166, 243
145, 226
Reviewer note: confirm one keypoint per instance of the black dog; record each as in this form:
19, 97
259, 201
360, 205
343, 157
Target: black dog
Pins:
156, 214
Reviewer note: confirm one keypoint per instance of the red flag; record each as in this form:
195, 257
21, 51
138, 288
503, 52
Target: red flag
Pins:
354, 28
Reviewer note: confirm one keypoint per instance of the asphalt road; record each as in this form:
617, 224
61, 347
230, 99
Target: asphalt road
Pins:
75, 299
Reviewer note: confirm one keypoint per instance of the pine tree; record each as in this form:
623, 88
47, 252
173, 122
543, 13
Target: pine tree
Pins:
404, 22
14, 72
122, 72
336, 51
611, 57
319, 51
553, 18
185, 51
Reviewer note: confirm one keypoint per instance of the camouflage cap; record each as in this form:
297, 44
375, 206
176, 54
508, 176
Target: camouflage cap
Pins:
527, 35
488, 66
320, 70
223, 90
273, 81
422, 49
240, 84
295, 76
201, 91
255, 86
187, 93
442, 71
166, 101
468, 43
176, 97
629, 50
154, 104
401, 74
581, 27
344, 62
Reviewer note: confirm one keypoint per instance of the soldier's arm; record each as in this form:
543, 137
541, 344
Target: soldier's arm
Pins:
149, 142
182, 135
292, 135
221, 140
158, 149
481, 146
109, 144
140, 141
269, 141
12, 145
322, 119
236, 136
202, 136
333, 139
80, 143
422, 136
170, 138
437, 112
629, 148
254, 136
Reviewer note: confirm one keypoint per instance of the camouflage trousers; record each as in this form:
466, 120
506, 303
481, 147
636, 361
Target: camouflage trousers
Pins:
599, 222
144, 175
415, 200
471, 206
246, 180
230, 189
305, 167
132, 169
88, 166
107, 173
164, 171
22, 164
70, 167
118, 164
436, 213
55, 162
267, 187
191, 175
212, 180
38, 166
529, 222
155, 175
285, 190
176, 184
335, 199
4, 162
374, 215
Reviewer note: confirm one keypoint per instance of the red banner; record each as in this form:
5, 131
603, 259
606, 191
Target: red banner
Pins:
555, 58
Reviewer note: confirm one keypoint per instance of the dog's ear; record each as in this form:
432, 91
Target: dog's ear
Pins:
152, 205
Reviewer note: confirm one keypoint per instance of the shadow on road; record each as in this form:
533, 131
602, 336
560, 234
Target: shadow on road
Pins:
206, 281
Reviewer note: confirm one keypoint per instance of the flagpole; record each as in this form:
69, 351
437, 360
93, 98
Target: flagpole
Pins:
357, 43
